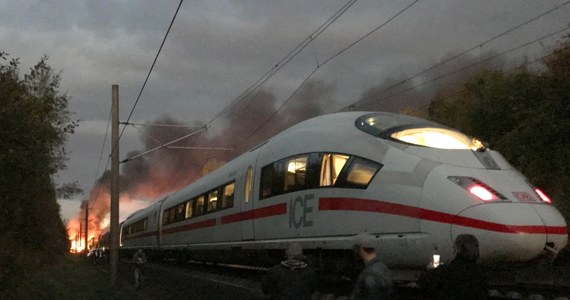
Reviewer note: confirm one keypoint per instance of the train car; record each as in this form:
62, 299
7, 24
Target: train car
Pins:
412, 183
141, 230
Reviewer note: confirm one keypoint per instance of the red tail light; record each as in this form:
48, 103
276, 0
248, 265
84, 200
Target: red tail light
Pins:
542, 195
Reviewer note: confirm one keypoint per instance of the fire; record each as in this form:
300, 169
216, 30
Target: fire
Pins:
159, 182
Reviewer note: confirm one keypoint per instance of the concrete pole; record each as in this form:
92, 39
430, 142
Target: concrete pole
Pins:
114, 255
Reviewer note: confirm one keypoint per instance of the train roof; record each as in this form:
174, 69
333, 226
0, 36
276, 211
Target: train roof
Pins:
384, 121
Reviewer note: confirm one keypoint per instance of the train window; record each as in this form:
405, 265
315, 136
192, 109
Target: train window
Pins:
136, 227
331, 166
437, 138
213, 200
278, 178
228, 194
295, 175
200, 205
166, 217
272, 178
180, 213
248, 184
189, 207
267, 173
359, 173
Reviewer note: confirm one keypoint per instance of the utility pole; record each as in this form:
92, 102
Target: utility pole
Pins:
78, 243
86, 226
115, 186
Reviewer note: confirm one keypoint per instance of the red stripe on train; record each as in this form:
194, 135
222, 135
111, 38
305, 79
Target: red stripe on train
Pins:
268, 211
192, 226
431, 215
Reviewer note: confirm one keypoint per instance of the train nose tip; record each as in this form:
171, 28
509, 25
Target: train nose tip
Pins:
513, 231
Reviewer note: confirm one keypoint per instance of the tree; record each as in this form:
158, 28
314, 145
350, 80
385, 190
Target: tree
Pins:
34, 124
523, 114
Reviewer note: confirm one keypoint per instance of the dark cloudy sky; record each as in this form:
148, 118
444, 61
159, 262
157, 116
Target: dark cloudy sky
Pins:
217, 49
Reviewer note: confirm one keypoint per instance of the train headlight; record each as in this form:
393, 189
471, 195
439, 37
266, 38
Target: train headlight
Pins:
482, 193
542, 195
477, 188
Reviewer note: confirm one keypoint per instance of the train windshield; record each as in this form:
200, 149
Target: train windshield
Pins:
440, 138
416, 131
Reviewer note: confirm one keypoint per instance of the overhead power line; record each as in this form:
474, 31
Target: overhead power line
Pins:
160, 125
164, 145
462, 90
150, 71
466, 67
325, 62
258, 83
476, 46
286, 59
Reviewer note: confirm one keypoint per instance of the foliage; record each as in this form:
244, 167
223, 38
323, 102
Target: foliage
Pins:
70, 278
34, 124
68, 190
523, 114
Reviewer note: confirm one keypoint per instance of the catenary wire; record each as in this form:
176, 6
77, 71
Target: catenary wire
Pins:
287, 58
465, 67
149, 72
318, 67
476, 46
292, 54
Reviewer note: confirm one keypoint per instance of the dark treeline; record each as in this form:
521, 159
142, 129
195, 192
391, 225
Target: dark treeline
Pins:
524, 114
34, 124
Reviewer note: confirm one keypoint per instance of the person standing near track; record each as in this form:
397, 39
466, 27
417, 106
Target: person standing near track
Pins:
374, 281
291, 279
139, 259
462, 278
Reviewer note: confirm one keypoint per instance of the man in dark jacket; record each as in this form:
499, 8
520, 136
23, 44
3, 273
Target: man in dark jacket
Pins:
374, 281
293, 278
462, 278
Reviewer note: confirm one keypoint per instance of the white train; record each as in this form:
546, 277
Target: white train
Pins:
412, 183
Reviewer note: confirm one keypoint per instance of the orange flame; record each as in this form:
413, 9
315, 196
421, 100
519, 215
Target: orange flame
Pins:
159, 183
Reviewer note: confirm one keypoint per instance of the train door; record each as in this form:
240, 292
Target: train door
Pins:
159, 213
247, 205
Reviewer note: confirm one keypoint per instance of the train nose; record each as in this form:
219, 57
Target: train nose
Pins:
513, 231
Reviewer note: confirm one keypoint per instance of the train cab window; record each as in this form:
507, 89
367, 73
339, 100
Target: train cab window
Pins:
189, 207
200, 205
414, 131
441, 138
331, 166
228, 195
213, 200
248, 184
295, 174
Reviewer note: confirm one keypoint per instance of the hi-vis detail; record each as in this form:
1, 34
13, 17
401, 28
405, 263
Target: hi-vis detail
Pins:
300, 211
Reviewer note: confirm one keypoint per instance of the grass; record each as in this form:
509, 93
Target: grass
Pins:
71, 278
